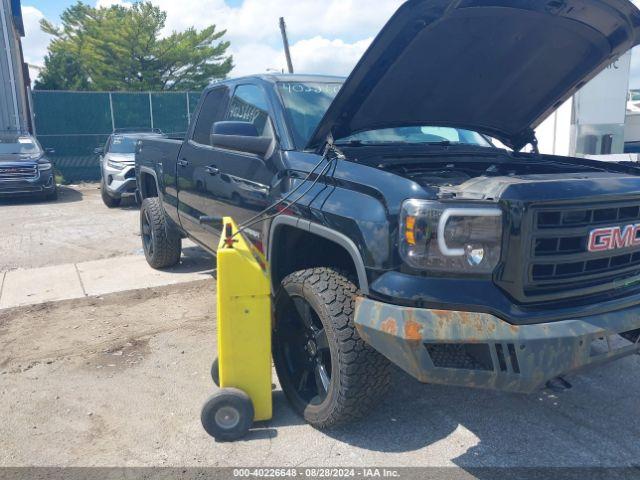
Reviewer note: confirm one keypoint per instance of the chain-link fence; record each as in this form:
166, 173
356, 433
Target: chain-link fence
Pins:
75, 123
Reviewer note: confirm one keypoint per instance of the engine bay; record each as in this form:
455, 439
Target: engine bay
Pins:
450, 168
454, 172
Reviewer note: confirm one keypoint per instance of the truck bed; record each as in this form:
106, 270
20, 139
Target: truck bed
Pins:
158, 151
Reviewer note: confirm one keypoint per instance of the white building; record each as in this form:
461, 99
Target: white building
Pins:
592, 123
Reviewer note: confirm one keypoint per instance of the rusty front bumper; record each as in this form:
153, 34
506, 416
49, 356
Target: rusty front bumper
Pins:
480, 350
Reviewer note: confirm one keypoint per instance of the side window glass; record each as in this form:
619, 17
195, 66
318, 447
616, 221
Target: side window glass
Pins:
212, 111
249, 104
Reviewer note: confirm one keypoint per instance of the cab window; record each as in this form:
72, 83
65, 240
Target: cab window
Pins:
213, 109
249, 104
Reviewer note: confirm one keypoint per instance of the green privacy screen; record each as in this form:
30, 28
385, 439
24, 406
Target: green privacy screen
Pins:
75, 123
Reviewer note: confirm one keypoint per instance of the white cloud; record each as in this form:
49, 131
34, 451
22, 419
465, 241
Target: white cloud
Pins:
332, 57
250, 58
109, 3
315, 55
35, 43
258, 19
326, 37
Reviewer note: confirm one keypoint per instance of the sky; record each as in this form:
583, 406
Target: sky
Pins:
326, 36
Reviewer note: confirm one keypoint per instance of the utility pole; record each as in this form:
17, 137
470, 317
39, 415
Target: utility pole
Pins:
285, 41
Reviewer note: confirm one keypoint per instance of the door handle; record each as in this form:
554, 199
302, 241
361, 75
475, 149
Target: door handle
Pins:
212, 170
183, 163
215, 222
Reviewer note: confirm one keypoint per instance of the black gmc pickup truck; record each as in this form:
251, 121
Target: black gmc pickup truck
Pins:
395, 229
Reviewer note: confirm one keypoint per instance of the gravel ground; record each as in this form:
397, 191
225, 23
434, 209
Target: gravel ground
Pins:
76, 228
119, 381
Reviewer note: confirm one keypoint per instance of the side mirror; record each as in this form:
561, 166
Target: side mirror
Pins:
241, 137
99, 151
240, 129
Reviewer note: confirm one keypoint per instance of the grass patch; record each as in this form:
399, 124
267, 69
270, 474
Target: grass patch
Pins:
60, 180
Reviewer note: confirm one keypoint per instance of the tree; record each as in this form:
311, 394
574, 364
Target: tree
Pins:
119, 48
62, 72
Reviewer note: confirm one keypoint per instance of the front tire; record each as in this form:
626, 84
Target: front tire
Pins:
52, 196
327, 372
107, 199
161, 243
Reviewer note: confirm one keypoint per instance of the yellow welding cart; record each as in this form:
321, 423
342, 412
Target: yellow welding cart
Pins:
243, 367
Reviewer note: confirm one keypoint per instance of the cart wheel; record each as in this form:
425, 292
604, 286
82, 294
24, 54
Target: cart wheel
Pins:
228, 415
215, 372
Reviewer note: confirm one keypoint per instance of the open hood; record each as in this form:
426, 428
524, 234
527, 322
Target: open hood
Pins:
499, 67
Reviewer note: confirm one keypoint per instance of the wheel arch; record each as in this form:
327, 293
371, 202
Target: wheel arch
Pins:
309, 230
148, 183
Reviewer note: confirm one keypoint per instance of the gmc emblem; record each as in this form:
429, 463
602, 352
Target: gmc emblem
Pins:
614, 238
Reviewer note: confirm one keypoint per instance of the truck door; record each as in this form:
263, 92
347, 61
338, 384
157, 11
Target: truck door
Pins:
195, 183
242, 180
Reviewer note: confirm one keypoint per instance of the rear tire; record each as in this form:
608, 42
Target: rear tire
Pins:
107, 199
161, 242
327, 372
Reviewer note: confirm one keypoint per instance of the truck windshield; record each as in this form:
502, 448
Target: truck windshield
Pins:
422, 135
121, 144
306, 104
18, 145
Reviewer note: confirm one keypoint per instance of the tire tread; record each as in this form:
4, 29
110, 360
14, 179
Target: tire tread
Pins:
168, 244
365, 374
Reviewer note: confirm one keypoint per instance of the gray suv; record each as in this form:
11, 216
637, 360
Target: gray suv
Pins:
117, 164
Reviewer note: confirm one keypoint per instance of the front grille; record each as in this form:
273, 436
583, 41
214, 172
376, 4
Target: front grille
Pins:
18, 173
558, 255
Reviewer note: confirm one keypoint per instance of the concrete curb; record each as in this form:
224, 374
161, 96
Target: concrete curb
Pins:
100, 277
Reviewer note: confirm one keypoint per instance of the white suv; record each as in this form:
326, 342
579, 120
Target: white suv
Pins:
117, 164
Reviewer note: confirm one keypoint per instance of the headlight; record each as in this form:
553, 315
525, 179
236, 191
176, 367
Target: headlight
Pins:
43, 167
463, 238
116, 165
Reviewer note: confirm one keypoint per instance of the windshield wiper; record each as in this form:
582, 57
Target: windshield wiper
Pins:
440, 143
349, 143
360, 143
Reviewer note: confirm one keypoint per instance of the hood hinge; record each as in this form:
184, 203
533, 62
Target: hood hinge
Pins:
534, 144
528, 137
330, 147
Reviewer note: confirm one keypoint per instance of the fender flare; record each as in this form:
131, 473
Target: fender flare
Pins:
328, 234
153, 173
